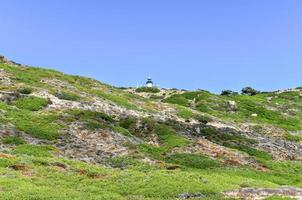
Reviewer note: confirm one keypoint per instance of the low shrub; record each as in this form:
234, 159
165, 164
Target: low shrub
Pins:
293, 138
67, 96
26, 90
31, 103
14, 140
228, 93
35, 150
122, 162
192, 160
92, 119
148, 89
249, 91
121, 130
127, 123
252, 151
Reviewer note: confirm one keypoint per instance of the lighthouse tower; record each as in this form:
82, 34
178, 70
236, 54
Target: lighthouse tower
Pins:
149, 83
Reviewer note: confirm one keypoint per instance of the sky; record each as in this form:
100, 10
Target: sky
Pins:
187, 44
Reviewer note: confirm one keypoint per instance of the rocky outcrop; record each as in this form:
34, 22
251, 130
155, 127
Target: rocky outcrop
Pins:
262, 193
93, 146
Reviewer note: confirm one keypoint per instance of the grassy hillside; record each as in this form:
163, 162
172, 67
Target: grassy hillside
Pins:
70, 137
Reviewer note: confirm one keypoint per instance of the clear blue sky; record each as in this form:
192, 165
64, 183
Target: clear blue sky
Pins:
209, 44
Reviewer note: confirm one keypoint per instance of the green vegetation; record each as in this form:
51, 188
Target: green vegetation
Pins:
260, 155
34, 150
67, 96
92, 119
228, 93
25, 90
37, 125
121, 130
217, 106
160, 162
48, 181
249, 91
148, 89
31, 103
169, 140
15, 140
278, 198
293, 138
192, 161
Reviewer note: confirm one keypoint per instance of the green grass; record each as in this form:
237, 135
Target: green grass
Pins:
293, 138
31, 103
43, 175
92, 119
67, 96
192, 160
261, 155
43, 180
279, 198
121, 130
25, 90
14, 140
41, 126
247, 105
168, 139
148, 89
34, 150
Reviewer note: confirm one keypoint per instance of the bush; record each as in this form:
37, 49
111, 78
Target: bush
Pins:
67, 96
122, 162
249, 91
121, 130
35, 150
228, 93
25, 90
192, 160
31, 103
147, 89
293, 138
15, 140
128, 123
93, 120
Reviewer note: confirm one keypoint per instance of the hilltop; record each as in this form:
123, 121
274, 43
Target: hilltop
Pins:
71, 137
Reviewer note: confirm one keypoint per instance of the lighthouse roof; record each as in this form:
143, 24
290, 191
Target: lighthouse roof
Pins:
149, 80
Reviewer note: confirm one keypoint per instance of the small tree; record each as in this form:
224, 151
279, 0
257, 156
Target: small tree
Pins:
228, 93
249, 91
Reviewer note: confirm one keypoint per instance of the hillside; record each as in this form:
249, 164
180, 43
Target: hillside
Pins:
70, 137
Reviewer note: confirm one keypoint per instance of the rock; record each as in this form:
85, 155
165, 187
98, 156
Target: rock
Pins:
190, 196
8, 97
261, 193
232, 106
3, 59
254, 115
18, 167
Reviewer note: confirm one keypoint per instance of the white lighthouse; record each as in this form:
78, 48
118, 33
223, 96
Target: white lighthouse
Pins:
149, 83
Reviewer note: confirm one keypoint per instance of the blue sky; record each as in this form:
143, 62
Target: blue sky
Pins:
208, 44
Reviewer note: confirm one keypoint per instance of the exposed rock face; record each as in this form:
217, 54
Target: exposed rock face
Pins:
257, 194
7, 97
226, 155
5, 78
3, 59
232, 106
9, 130
92, 145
